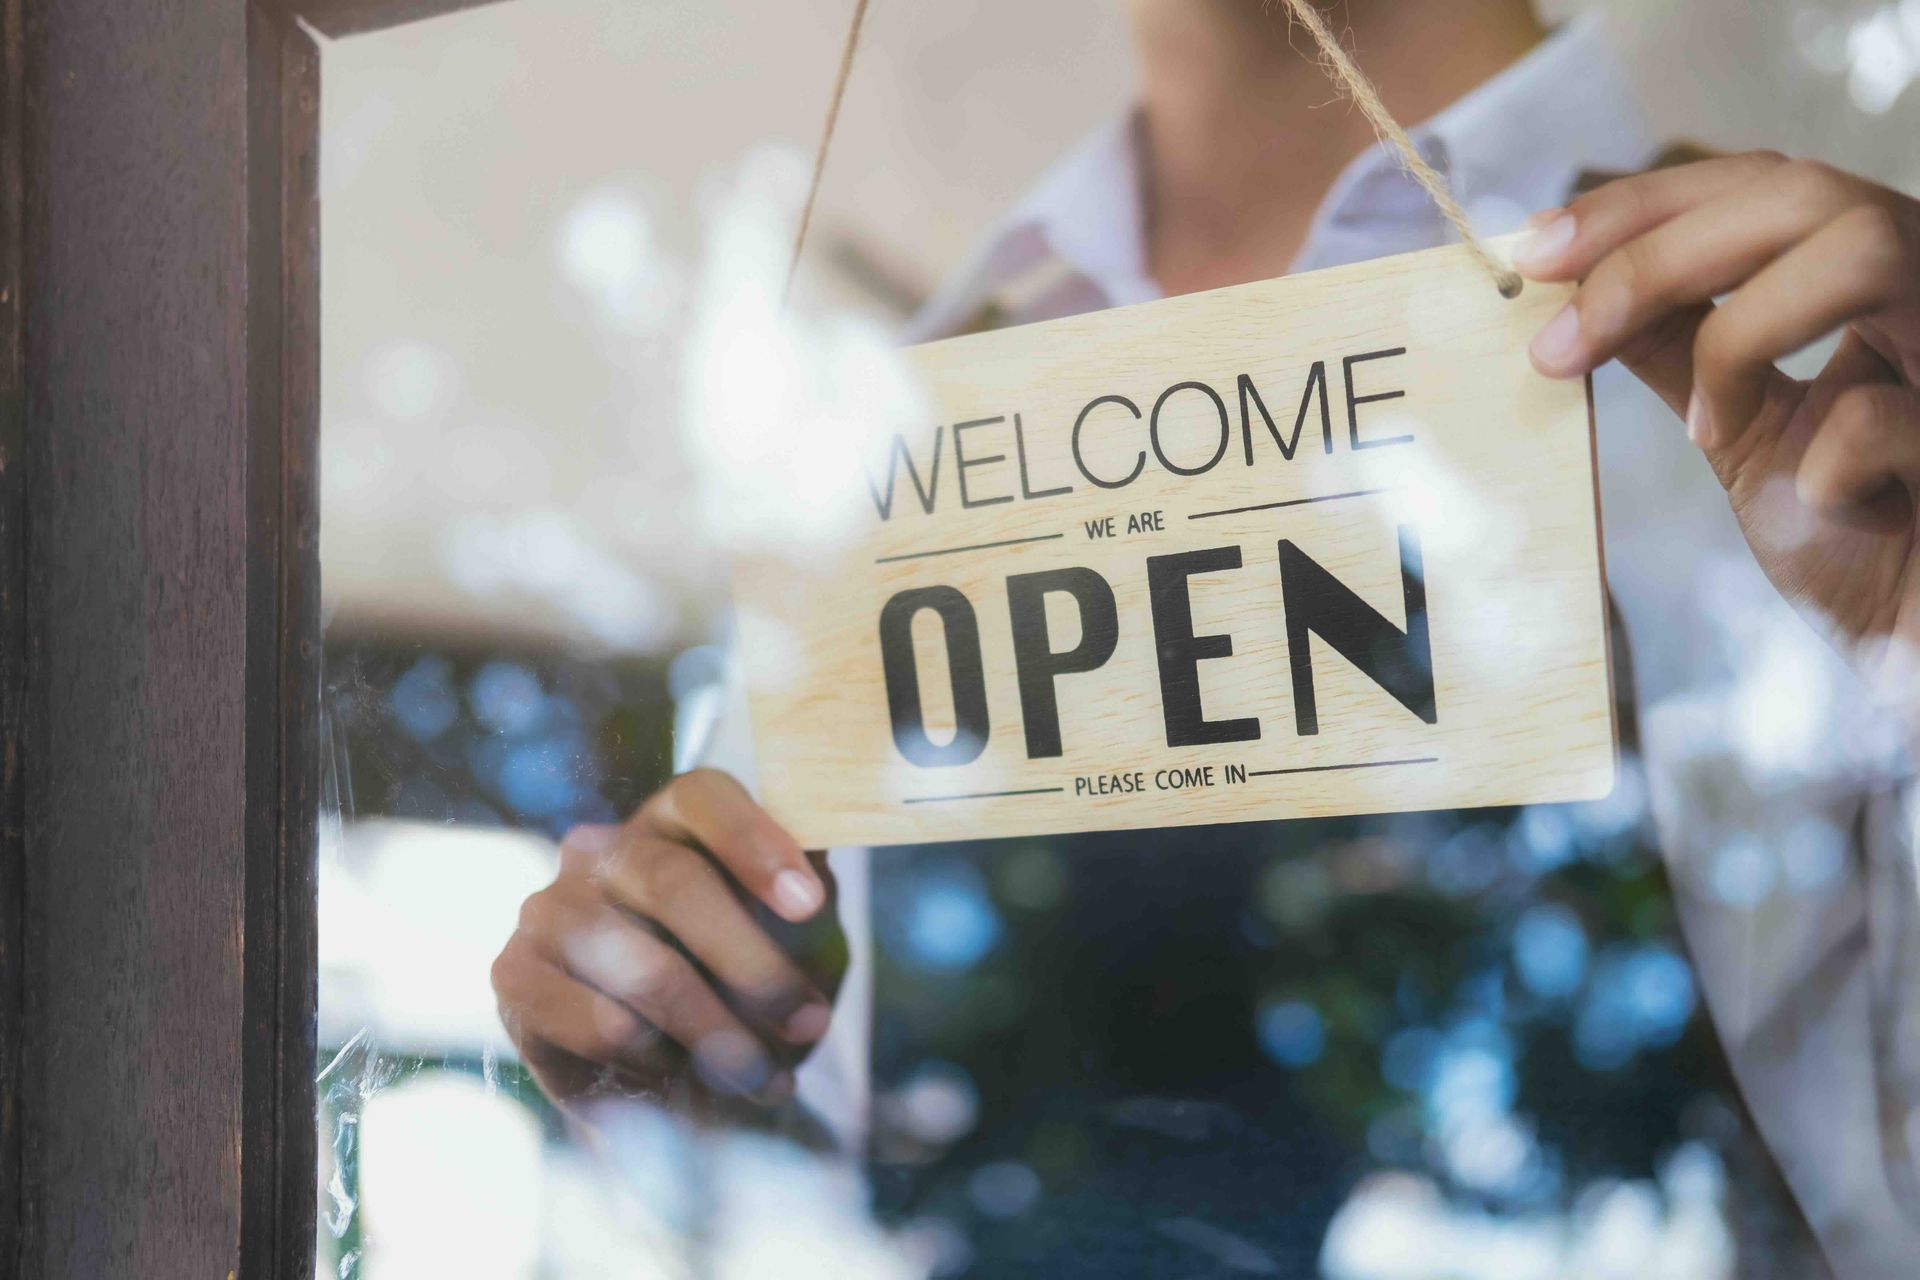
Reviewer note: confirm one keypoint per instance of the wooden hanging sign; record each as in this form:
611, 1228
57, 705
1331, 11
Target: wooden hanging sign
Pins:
1319, 545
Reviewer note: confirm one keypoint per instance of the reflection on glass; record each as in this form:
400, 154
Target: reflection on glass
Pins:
562, 390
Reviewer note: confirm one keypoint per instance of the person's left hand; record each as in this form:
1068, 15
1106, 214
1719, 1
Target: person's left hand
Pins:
1823, 475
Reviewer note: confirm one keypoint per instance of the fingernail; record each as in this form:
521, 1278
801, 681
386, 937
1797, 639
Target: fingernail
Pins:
594, 839
1537, 220
807, 1023
1556, 348
796, 896
1541, 250
1699, 422
733, 1063
778, 1090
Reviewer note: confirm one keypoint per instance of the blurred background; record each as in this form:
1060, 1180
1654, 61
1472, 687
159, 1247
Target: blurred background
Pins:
1434, 1048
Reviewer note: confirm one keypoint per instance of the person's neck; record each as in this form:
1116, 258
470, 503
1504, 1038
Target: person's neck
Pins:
1245, 133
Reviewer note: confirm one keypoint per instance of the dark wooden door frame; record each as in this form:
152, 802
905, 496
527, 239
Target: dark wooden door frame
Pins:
159, 631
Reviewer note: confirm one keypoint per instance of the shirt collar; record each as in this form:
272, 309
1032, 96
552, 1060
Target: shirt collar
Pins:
1526, 135
1513, 145
1085, 214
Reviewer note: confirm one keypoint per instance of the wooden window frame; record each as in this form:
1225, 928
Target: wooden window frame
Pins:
160, 631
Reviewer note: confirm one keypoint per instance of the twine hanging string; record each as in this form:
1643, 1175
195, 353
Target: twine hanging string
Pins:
826, 140
1338, 64
1340, 67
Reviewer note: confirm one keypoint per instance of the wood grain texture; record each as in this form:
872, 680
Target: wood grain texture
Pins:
281, 975
13, 632
166, 1060
159, 633
136, 797
1493, 474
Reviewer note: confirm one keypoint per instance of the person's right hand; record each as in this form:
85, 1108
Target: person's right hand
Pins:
644, 957
1701, 279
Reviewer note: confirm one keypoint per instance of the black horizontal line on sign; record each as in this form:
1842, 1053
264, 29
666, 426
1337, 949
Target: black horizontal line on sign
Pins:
978, 546
982, 795
1291, 502
1334, 768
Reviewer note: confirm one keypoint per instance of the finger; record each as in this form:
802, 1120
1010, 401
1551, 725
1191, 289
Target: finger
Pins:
1863, 465
1567, 246
1661, 355
708, 808
1850, 268
688, 896
621, 959
1687, 261
542, 1003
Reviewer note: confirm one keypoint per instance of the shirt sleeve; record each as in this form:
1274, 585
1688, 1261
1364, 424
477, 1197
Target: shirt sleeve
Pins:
1798, 908
1890, 845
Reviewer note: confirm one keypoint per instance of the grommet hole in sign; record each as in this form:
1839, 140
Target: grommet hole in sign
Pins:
1319, 545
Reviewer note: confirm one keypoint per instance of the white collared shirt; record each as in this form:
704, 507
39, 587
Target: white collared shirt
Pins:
1750, 723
